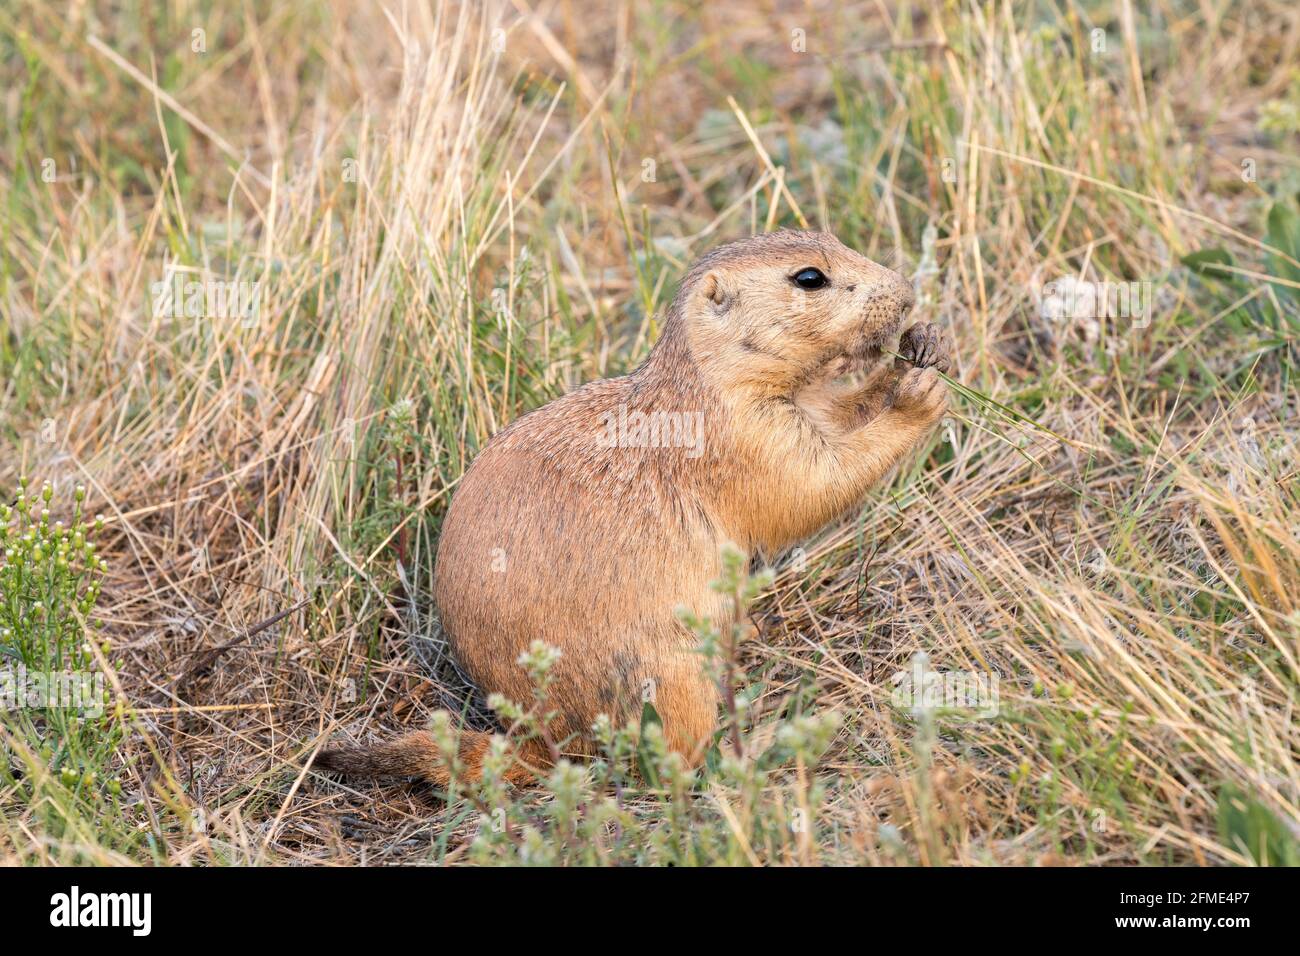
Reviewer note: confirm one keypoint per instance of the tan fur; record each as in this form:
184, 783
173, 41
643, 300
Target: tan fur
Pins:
555, 535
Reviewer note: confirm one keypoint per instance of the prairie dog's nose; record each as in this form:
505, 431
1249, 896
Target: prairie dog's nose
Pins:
896, 286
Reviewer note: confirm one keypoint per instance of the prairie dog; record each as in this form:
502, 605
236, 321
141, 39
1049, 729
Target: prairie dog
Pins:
589, 521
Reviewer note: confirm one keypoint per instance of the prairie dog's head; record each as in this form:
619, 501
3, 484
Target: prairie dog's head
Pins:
780, 307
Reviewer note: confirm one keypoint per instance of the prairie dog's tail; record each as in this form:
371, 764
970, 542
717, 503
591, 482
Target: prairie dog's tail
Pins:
417, 755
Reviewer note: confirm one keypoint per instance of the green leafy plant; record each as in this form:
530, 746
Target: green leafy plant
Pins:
1255, 831
54, 672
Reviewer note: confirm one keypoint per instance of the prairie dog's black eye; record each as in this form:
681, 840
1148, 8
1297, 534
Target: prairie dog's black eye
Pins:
809, 278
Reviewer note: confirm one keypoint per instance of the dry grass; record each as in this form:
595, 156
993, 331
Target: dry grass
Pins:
450, 226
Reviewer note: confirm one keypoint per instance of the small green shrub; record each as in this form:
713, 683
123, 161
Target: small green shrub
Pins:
53, 673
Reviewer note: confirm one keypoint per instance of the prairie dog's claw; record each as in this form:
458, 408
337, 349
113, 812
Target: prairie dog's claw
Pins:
925, 345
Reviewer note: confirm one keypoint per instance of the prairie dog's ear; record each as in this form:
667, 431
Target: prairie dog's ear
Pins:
715, 292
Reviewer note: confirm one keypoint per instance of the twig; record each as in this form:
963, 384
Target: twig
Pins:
213, 654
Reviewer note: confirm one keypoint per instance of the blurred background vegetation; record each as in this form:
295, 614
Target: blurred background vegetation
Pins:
453, 213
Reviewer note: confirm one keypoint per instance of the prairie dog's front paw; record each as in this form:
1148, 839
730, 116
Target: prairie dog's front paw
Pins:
926, 346
921, 395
